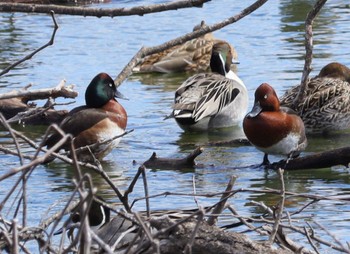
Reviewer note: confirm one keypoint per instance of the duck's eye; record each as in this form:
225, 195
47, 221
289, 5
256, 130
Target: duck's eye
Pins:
110, 85
265, 96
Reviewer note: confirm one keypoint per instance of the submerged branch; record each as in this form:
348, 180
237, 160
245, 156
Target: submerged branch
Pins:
340, 156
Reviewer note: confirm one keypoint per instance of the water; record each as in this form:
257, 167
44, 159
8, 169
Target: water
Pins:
270, 48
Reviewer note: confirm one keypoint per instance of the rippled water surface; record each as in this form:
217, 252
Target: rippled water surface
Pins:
270, 49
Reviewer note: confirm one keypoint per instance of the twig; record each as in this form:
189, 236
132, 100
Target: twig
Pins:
308, 47
310, 240
194, 191
145, 186
14, 237
188, 247
7, 126
220, 206
100, 12
336, 240
153, 241
279, 209
51, 41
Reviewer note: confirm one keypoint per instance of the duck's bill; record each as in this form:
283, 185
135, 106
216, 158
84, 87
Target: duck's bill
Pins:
119, 95
69, 226
255, 110
235, 62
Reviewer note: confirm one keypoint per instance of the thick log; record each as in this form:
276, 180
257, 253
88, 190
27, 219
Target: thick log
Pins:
340, 156
173, 163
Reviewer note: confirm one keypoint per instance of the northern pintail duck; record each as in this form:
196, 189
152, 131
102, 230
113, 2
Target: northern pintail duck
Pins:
120, 231
325, 105
102, 118
192, 56
271, 128
212, 100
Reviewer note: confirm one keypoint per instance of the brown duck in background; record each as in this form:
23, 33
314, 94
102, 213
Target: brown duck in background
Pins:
192, 56
325, 105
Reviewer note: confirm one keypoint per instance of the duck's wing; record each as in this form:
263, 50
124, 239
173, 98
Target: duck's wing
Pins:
77, 121
219, 94
205, 95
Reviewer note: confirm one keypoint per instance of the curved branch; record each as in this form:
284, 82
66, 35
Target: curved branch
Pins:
6, 70
99, 12
308, 47
145, 51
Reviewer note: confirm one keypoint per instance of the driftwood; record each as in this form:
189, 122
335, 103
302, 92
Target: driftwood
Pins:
29, 95
340, 156
99, 12
14, 105
170, 163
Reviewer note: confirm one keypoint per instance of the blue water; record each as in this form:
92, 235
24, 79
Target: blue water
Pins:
270, 49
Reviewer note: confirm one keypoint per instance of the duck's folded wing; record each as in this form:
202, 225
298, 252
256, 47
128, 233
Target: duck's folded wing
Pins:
77, 121
219, 93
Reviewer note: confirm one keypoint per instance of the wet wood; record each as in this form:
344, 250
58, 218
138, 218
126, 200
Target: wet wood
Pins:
340, 156
16, 109
173, 163
98, 12
39, 94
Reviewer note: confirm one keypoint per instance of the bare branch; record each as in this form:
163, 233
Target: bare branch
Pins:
6, 70
308, 47
100, 12
59, 91
182, 39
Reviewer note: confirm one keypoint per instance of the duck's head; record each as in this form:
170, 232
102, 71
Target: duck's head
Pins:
221, 58
101, 90
265, 100
98, 216
335, 70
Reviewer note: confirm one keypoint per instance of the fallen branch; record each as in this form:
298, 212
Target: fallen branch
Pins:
170, 163
340, 156
39, 94
99, 12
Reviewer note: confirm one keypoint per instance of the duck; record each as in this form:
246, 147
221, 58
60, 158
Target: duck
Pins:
116, 231
273, 129
210, 100
101, 119
192, 56
120, 230
325, 105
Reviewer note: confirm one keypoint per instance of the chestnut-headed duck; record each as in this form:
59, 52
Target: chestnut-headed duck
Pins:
271, 128
102, 118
